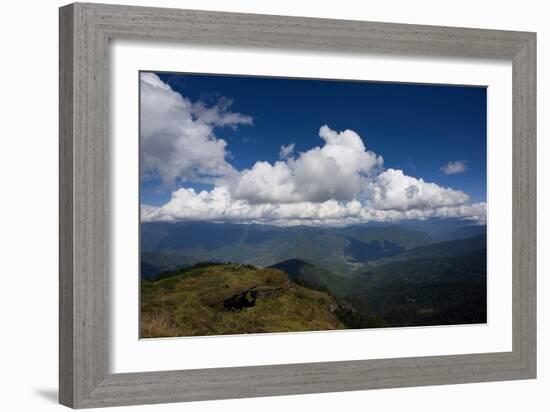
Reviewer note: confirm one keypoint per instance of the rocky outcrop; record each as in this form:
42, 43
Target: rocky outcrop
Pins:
247, 298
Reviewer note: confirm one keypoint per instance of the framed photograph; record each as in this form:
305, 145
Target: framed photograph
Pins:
256, 205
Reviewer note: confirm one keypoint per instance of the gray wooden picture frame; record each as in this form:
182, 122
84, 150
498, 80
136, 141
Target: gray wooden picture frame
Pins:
85, 31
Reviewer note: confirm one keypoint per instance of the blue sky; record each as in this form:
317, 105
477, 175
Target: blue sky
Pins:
416, 128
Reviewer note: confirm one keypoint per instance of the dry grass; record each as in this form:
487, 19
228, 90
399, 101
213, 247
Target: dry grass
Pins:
157, 324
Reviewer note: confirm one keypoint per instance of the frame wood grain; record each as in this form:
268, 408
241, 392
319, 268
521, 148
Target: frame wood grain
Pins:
85, 31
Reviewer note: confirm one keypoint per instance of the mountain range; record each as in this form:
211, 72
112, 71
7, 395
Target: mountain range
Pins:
342, 251
406, 274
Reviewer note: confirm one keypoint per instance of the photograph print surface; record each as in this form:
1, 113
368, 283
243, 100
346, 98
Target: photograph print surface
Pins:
289, 205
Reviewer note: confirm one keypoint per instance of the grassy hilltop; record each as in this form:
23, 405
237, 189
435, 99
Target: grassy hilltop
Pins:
222, 299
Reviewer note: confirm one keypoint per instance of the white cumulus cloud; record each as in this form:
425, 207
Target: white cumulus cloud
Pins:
286, 151
451, 168
324, 186
337, 171
218, 205
392, 189
177, 135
